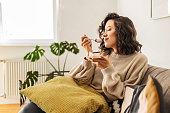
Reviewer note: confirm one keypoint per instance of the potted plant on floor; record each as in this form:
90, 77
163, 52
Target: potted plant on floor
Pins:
57, 49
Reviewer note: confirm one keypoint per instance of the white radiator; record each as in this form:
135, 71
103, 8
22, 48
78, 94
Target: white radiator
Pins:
16, 70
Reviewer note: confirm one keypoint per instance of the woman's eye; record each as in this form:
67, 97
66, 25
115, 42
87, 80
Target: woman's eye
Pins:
108, 29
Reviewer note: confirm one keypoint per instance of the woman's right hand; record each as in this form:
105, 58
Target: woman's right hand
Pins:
86, 43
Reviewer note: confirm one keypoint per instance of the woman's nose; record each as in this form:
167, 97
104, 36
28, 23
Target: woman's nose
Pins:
104, 34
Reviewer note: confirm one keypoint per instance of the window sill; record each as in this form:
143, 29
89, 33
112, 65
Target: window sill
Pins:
42, 42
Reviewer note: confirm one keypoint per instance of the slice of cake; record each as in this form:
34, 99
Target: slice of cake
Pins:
93, 55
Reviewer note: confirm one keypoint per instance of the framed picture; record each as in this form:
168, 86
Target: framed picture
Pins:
160, 9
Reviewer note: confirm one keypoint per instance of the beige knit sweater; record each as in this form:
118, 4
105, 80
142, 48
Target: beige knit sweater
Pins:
111, 81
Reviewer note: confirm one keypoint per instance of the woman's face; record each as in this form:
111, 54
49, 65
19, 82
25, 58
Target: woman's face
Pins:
109, 35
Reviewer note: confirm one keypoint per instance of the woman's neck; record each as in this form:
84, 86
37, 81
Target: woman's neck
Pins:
115, 50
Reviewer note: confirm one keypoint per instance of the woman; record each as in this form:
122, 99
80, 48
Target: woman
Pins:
120, 63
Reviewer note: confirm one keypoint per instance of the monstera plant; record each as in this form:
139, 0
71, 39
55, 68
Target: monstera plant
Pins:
57, 49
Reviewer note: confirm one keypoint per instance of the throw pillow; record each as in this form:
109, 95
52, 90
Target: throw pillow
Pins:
151, 99
127, 98
146, 98
64, 95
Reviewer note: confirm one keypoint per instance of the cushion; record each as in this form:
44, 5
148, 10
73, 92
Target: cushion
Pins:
150, 99
127, 98
162, 75
64, 95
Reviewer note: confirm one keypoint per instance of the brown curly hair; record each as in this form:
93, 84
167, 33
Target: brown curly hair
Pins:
125, 32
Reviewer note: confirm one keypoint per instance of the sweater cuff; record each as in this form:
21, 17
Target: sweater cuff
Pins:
107, 71
87, 63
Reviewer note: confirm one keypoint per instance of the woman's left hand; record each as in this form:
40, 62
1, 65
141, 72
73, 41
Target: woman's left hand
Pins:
101, 62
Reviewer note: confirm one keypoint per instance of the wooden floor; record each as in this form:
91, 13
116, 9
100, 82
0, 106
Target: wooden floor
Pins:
9, 108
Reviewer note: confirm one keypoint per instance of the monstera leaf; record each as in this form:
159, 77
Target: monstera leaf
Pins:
31, 79
22, 97
73, 48
59, 48
35, 54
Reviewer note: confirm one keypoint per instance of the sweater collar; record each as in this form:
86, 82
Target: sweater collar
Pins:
121, 56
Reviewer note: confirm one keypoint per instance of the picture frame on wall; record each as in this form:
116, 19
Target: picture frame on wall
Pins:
160, 9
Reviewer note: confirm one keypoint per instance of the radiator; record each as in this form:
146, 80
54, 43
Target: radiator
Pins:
16, 70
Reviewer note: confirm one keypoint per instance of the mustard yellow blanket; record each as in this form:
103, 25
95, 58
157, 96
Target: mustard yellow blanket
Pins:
65, 95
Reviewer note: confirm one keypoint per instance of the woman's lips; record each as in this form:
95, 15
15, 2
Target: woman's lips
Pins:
105, 39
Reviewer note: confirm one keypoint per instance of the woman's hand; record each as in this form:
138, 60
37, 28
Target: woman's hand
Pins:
86, 43
101, 62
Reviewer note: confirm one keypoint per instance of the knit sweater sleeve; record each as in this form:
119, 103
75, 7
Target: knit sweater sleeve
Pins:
84, 72
112, 85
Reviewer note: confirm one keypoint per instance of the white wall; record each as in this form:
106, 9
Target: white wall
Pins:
153, 34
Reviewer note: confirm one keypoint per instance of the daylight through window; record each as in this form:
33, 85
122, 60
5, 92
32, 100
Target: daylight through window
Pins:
27, 20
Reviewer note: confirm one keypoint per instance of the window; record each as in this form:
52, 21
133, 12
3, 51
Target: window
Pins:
27, 22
